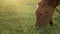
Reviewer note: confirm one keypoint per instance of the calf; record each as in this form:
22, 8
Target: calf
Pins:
45, 12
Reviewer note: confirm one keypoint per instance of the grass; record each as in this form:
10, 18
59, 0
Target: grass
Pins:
18, 17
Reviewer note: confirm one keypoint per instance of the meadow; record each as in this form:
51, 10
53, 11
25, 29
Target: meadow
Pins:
18, 17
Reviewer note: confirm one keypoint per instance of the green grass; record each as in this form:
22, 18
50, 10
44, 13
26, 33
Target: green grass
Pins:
18, 17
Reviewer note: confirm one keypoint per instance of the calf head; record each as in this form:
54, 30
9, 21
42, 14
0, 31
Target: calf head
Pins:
45, 12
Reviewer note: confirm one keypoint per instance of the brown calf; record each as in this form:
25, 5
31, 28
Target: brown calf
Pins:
45, 12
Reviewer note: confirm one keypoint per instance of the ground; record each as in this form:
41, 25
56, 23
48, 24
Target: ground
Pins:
18, 17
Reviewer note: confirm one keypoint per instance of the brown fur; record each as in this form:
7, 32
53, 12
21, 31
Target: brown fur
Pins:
45, 12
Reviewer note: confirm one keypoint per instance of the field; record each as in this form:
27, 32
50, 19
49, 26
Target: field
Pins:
18, 17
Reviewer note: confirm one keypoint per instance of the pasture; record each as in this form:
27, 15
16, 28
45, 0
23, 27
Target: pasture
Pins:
18, 17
